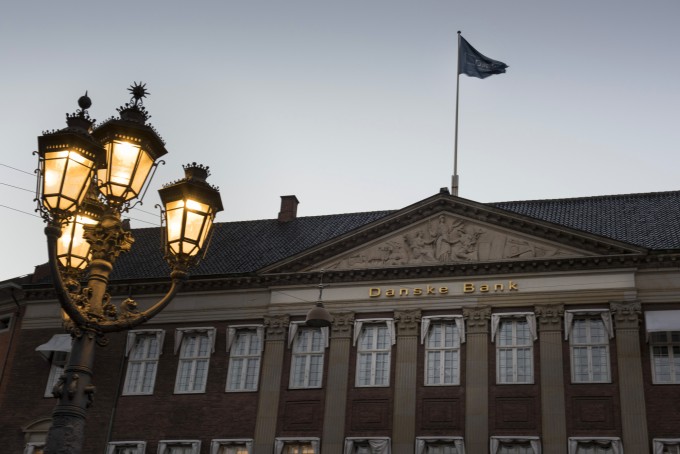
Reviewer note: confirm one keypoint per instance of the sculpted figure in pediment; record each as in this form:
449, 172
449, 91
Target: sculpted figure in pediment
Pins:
447, 239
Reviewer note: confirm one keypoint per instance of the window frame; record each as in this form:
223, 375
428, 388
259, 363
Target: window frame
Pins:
253, 355
216, 444
498, 323
32, 445
423, 442
672, 356
589, 345
140, 446
58, 362
6, 322
615, 443
307, 355
181, 336
496, 441
373, 352
658, 444
350, 443
133, 338
164, 446
280, 443
427, 324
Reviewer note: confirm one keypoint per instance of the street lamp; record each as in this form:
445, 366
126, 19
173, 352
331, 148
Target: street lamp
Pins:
86, 179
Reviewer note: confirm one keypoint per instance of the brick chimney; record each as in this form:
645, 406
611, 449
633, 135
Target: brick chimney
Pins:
288, 211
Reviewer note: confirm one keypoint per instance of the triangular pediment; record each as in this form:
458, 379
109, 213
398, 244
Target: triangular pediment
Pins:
449, 230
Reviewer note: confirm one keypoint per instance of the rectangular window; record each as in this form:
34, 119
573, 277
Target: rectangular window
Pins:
665, 353
194, 359
244, 360
595, 445
515, 445
380, 445
5, 322
434, 445
298, 448
373, 355
304, 445
126, 447
589, 342
143, 362
179, 447
514, 351
59, 362
307, 361
442, 354
231, 446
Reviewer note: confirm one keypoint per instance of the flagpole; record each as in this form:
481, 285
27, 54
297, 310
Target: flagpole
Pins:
454, 179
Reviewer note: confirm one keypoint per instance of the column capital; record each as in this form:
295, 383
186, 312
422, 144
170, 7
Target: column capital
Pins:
276, 327
626, 314
342, 325
549, 316
407, 322
477, 319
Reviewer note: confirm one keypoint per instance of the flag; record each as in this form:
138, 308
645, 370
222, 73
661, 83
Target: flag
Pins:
474, 64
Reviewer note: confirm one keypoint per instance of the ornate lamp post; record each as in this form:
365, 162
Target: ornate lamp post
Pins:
87, 178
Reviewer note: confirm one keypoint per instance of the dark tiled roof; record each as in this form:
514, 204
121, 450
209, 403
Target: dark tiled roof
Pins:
242, 247
650, 220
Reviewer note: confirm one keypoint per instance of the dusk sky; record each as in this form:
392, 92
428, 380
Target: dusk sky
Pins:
350, 105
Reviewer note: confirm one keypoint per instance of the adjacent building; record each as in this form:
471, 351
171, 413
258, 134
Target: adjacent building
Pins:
533, 327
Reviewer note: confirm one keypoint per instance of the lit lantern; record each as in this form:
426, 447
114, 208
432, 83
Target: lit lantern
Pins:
73, 251
132, 148
190, 207
68, 159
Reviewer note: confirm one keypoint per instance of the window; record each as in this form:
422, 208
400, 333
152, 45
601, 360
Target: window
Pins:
35, 448
515, 445
436, 445
442, 338
196, 346
5, 323
665, 353
231, 446
304, 445
514, 334
144, 349
666, 445
245, 349
56, 351
126, 447
373, 353
179, 447
595, 445
589, 351
377, 445
308, 351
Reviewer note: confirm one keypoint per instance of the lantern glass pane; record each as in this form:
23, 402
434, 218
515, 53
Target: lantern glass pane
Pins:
122, 162
145, 164
72, 249
67, 175
174, 214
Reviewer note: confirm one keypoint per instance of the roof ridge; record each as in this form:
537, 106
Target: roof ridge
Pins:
601, 197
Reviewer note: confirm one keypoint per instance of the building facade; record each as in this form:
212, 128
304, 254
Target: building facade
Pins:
539, 327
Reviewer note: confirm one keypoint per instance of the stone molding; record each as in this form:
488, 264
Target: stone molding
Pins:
549, 316
276, 327
342, 325
407, 322
477, 319
626, 315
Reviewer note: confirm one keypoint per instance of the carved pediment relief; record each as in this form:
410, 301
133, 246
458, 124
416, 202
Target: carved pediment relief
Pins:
449, 239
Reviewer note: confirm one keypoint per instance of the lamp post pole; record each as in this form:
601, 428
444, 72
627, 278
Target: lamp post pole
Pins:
107, 168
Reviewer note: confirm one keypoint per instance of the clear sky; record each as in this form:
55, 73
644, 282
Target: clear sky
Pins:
350, 104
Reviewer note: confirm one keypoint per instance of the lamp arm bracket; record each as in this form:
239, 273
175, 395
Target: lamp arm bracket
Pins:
130, 318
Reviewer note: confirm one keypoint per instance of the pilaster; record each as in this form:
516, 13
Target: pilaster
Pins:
477, 379
631, 387
553, 410
270, 383
336, 389
404, 420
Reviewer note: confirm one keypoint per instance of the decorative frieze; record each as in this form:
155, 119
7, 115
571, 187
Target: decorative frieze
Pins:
407, 322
